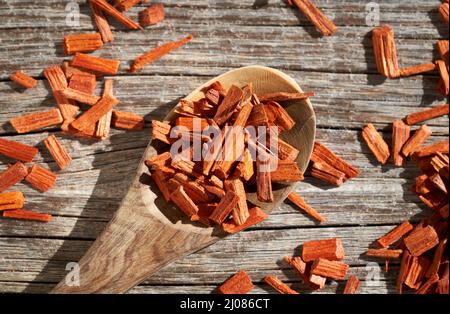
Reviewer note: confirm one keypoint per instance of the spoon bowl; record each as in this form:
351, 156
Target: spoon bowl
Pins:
147, 233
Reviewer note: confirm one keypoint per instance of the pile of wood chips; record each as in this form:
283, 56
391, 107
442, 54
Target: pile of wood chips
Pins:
213, 191
422, 247
211, 158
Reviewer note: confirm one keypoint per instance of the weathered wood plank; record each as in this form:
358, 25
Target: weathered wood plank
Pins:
351, 51
275, 12
55, 271
260, 252
380, 287
344, 212
341, 101
88, 193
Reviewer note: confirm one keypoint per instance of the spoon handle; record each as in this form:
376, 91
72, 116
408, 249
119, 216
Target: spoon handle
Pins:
134, 245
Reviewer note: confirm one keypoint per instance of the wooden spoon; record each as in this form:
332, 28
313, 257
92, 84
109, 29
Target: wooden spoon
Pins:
146, 233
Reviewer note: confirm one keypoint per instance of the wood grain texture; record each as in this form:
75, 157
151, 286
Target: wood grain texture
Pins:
342, 100
380, 287
229, 26
91, 187
43, 47
349, 93
207, 267
272, 12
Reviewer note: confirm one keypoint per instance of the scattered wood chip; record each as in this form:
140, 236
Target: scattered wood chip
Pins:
443, 12
157, 53
422, 240
58, 82
330, 249
327, 173
322, 154
400, 135
127, 120
352, 285
322, 23
376, 143
37, 120
427, 114
82, 43
80, 96
443, 72
416, 271
395, 234
104, 124
226, 205
417, 69
414, 142
329, 269
286, 172
228, 105
17, 151
303, 270
102, 23
95, 113
26, 215
110, 10
385, 253
184, 202
442, 46
257, 215
22, 79
263, 182
278, 285
438, 147
300, 203
96, 64
84, 82
58, 152
240, 283
11, 200
240, 211
385, 51
124, 5
152, 15
41, 178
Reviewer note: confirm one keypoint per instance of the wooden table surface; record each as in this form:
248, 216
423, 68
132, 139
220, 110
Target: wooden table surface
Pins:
227, 35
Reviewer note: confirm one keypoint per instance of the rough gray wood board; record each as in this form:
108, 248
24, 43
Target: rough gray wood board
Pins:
41, 271
381, 287
93, 186
341, 101
349, 209
276, 12
45, 259
349, 51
